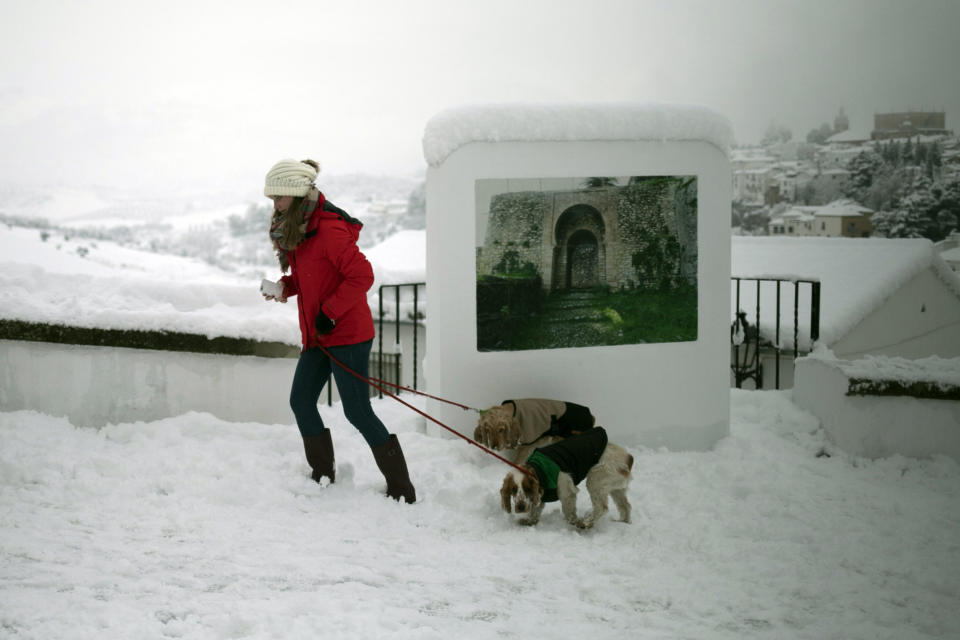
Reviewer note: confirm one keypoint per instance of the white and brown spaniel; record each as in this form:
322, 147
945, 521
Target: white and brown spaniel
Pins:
554, 471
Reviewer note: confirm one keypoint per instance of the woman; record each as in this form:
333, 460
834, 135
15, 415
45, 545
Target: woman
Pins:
317, 242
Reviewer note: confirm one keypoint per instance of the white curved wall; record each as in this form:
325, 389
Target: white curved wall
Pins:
667, 394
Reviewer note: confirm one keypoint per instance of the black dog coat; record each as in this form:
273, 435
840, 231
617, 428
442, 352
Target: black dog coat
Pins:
540, 417
575, 456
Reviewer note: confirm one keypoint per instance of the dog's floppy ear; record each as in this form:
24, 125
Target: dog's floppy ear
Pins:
513, 432
483, 433
507, 490
531, 487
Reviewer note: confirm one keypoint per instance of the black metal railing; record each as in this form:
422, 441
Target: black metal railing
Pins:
746, 364
414, 316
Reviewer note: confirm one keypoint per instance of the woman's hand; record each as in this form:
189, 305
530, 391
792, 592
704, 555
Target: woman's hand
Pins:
323, 323
281, 298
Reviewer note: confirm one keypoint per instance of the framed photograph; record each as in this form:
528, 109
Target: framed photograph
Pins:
585, 262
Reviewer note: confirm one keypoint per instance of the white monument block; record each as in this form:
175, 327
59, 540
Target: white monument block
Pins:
582, 253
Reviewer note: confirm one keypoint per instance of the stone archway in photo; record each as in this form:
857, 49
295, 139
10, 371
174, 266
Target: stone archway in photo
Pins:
579, 254
582, 261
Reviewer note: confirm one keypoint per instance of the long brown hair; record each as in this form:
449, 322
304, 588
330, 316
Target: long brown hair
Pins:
288, 228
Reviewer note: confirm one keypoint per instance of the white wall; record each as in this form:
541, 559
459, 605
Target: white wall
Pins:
920, 319
95, 386
671, 394
100, 385
874, 426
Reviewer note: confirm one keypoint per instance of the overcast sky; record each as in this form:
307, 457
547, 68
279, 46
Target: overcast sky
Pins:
130, 93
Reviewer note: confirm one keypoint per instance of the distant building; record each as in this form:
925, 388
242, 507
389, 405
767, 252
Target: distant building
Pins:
839, 219
745, 158
909, 123
844, 219
751, 186
795, 221
791, 178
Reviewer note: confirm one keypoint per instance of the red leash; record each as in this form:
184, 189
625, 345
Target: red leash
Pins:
425, 415
371, 380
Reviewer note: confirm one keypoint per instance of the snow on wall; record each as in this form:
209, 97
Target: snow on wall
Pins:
935, 370
921, 318
878, 427
451, 129
856, 274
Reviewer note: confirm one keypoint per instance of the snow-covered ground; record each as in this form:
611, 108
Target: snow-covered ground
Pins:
195, 527
192, 527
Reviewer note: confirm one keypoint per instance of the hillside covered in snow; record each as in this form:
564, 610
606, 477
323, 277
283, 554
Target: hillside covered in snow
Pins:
181, 265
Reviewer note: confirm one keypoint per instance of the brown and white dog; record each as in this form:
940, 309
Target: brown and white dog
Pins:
555, 471
528, 423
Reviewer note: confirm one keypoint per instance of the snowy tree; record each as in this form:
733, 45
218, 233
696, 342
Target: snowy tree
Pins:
899, 223
927, 210
936, 154
416, 215
819, 136
754, 222
822, 190
863, 168
902, 177
934, 159
807, 152
948, 222
945, 215
949, 194
919, 205
920, 155
255, 220
891, 153
885, 189
775, 134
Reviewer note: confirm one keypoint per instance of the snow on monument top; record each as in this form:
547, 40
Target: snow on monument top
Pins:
451, 129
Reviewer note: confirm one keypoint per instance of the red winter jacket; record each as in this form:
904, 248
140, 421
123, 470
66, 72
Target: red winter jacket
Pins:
328, 269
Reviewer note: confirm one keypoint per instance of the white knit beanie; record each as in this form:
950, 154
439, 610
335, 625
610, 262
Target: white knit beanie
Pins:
290, 178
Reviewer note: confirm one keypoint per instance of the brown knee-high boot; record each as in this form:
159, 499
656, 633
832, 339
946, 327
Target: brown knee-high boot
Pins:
393, 466
319, 450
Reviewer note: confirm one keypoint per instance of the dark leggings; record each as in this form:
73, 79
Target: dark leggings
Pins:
313, 369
